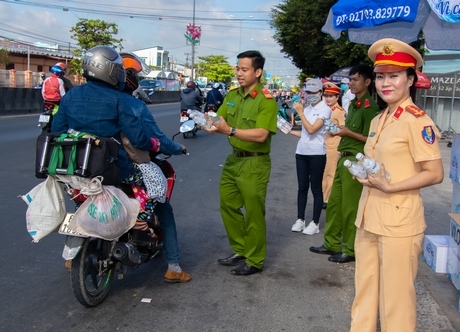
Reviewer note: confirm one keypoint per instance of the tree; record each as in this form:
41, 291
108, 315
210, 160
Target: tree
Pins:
216, 68
89, 33
4, 59
298, 26
298, 30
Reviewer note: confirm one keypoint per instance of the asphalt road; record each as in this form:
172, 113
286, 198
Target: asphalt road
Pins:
297, 291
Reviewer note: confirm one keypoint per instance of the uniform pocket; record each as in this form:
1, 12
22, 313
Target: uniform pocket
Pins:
249, 119
397, 209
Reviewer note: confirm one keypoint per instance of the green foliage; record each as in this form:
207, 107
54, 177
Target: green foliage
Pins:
155, 67
216, 68
4, 59
89, 33
298, 26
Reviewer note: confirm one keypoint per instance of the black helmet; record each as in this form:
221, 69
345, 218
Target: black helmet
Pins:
103, 63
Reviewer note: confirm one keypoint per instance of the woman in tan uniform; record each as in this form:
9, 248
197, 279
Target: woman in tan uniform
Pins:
390, 219
331, 97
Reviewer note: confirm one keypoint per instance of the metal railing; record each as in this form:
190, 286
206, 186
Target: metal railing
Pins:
28, 79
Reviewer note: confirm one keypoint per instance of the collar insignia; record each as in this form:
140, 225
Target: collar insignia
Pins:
254, 93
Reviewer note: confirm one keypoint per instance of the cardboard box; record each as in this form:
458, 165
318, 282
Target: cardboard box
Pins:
435, 252
455, 198
453, 252
454, 172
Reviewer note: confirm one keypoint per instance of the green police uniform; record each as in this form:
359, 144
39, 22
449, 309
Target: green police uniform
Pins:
343, 202
245, 177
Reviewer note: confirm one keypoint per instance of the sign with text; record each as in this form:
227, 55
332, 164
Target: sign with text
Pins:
445, 84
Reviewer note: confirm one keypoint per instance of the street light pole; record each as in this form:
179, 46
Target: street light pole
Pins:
241, 28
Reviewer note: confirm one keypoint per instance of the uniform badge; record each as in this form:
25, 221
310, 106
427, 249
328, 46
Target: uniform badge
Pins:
372, 134
254, 93
367, 103
359, 103
231, 104
428, 135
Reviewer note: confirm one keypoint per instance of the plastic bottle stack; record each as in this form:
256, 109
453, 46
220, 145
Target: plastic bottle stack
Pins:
372, 167
197, 117
356, 169
330, 126
214, 117
283, 125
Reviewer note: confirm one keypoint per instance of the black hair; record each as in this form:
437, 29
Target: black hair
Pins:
412, 90
258, 61
365, 71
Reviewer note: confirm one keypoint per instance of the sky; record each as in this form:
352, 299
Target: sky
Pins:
227, 26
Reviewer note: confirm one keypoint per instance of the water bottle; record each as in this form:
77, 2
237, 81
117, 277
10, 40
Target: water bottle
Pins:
372, 167
197, 117
214, 117
73, 133
356, 169
283, 125
330, 126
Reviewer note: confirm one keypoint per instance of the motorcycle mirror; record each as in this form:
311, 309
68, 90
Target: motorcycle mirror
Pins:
187, 126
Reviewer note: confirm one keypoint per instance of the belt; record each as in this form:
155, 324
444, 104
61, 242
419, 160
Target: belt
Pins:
242, 154
347, 154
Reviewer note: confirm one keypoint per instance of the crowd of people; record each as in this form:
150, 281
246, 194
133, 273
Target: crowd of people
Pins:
376, 221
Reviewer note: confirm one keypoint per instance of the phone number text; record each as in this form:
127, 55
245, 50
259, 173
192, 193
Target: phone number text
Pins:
371, 14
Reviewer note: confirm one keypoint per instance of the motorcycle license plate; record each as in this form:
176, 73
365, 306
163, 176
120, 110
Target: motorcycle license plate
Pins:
65, 230
44, 118
183, 118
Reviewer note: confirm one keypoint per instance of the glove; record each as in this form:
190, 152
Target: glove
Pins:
155, 144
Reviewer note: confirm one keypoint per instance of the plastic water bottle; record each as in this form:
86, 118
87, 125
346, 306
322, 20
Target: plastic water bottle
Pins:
197, 117
372, 167
283, 125
330, 126
214, 117
356, 169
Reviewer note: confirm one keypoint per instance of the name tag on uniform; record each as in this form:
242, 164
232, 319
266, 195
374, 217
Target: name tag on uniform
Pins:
372, 134
231, 104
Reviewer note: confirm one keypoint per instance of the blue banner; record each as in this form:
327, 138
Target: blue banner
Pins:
447, 10
356, 14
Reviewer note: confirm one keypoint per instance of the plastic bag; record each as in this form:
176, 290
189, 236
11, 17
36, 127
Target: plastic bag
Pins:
106, 215
46, 209
154, 181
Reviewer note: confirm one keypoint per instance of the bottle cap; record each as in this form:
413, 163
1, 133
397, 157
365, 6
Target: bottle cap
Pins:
359, 156
347, 163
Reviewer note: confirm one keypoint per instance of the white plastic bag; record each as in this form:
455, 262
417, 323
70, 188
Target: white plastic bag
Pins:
106, 215
46, 209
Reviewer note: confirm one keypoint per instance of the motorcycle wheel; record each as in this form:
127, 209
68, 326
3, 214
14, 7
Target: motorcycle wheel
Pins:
194, 132
185, 135
89, 279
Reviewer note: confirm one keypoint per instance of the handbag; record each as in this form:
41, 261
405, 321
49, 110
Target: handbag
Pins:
78, 154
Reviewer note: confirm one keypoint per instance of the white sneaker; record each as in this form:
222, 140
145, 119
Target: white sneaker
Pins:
299, 226
311, 229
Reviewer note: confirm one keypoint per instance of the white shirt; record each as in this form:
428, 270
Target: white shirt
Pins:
313, 145
346, 99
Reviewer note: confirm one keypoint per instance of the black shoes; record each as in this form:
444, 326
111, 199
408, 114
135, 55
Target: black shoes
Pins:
233, 259
245, 270
324, 206
341, 258
323, 250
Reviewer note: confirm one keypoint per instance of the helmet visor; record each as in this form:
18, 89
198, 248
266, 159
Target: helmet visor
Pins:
132, 61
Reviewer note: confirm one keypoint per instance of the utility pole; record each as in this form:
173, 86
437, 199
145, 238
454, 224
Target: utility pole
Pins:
193, 45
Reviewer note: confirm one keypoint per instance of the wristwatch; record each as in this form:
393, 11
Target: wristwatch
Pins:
232, 131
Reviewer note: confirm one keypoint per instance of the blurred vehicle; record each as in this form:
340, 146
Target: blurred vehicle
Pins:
149, 86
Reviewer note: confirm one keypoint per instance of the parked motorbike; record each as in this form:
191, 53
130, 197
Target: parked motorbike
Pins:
283, 113
95, 261
45, 119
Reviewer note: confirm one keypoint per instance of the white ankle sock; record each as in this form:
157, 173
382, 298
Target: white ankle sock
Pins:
174, 267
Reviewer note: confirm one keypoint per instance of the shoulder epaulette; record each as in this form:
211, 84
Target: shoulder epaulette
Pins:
267, 94
415, 111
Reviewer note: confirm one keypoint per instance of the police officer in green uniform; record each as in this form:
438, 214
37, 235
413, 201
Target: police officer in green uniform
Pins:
248, 117
340, 229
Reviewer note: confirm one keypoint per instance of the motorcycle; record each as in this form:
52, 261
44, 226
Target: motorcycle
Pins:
282, 113
45, 119
95, 261
184, 117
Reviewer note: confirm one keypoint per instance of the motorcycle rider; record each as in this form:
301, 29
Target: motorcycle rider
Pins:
190, 98
135, 67
214, 98
67, 84
53, 87
100, 108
